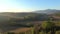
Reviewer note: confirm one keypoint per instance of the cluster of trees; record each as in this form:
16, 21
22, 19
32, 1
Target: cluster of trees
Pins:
49, 26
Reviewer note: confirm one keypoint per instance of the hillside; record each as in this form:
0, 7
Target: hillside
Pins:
10, 21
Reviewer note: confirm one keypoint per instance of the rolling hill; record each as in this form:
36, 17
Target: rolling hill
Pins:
8, 20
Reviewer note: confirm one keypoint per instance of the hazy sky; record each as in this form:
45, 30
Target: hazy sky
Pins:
28, 5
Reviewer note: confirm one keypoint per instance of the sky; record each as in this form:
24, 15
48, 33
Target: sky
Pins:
28, 5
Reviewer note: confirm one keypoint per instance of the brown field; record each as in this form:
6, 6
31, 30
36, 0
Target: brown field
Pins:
20, 30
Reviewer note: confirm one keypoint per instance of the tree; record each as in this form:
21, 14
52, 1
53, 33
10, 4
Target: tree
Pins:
48, 25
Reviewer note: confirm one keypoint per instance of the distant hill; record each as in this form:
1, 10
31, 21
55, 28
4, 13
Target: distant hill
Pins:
35, 14
22, 14
47, 11
8, 15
